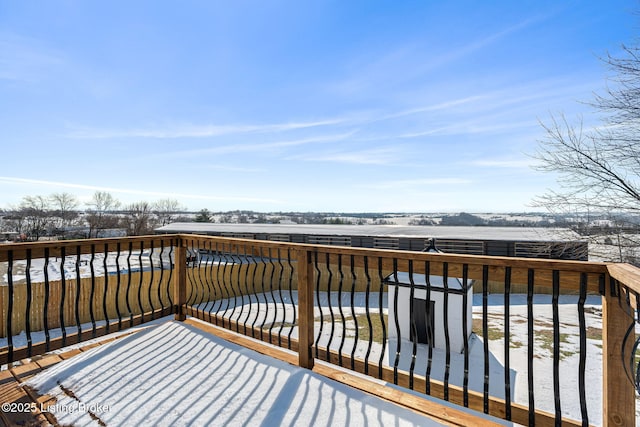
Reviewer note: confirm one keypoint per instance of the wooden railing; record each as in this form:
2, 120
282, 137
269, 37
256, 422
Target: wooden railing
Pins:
58, 293
561, 351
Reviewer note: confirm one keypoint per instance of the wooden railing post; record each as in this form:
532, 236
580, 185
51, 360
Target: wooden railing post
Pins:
305, 309
180, 281
618, 393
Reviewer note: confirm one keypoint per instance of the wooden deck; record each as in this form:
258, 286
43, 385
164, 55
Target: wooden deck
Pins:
12, 390
19, 396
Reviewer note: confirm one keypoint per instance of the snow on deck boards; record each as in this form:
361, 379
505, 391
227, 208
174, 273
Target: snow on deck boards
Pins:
176, 374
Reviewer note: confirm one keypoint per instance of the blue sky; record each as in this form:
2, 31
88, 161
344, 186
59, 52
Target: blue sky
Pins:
420, 106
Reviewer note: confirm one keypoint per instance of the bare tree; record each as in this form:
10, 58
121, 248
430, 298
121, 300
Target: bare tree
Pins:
64, 206
139, 219
35, 216
167, 210
598, 168
101, 213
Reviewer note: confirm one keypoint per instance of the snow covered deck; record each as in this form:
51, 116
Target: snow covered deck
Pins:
175, 374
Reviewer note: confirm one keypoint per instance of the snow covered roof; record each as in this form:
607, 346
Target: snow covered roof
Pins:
441, 232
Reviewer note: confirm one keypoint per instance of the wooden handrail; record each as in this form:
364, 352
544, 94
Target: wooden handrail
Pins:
37, 249
626, 274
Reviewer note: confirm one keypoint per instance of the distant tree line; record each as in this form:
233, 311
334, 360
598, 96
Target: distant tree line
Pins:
251, 217
467, 219
59, 215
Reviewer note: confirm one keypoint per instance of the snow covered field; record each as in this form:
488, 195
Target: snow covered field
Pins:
111, 263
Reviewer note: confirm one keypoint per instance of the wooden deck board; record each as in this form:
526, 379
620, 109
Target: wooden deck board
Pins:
444, 414
12, 392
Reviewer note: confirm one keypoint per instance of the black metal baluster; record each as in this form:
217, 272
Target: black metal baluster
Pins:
118, 283
217, 282
447, 341
191, 280
293, 304
243, 260
210, 282
47, 337
106, 286
465, 334
202, 277
63, 294
264, 293
381, 314
78, 287
160, 279
92, 294
318, 302
630, 330
27, 317
140, 282
129, 282
273, 298
342, 318
284, 308
556, 346
169, 279
368, 314
530, 343
485, 334
235, 304
507, 342
413, 329
232, 288
223, 283
255, 293
353, 313
428, 321
396, 290
582, 389
333, 320
248, 258
151, 277
10, 306
196, 271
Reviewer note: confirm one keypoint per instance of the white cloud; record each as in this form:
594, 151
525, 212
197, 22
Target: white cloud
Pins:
55, 184
266, 146
376, 156
442, 106
193, 131
420, 182
504, 163
24, 59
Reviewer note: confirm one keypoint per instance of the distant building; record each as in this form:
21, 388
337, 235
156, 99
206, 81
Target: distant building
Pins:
495, 241
9, 236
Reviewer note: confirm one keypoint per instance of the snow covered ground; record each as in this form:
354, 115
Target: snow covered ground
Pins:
124, 262
176, 375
